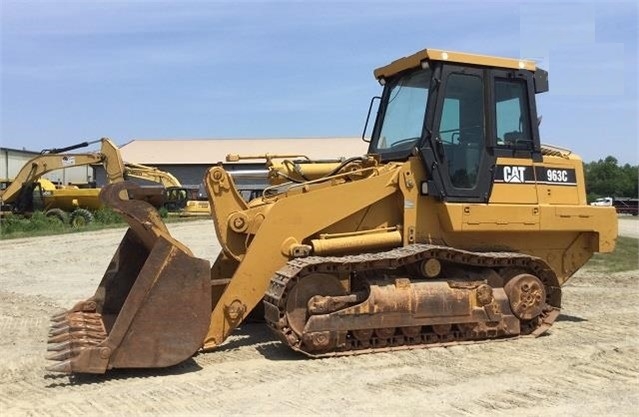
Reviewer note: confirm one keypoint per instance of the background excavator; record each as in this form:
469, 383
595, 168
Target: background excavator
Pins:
458, 226
29, 191
175, 198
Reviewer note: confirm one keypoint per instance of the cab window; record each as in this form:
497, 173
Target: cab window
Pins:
511, 114
405, 111
461, 129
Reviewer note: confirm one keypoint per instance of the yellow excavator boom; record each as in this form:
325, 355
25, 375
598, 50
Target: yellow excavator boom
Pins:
53, 159
152, 174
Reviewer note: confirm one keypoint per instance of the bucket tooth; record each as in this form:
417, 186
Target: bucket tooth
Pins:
81, 342
58, 347
80, 334
83, 318
59, 324
59, 330
83, 315
97, 336
74, 323
64, 367
60, 338
58, 317
61, 355
75, 315
89, 327
73, 327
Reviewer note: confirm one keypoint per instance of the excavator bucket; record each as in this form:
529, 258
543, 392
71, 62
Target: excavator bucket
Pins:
151, 309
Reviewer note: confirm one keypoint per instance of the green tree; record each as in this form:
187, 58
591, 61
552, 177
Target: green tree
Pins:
605, 178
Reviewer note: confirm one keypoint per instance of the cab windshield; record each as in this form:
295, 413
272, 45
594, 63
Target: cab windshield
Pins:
401, 127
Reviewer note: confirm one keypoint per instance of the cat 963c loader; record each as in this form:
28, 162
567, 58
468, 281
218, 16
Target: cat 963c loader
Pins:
457, 226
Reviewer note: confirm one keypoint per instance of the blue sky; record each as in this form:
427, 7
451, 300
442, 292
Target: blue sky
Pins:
204, 69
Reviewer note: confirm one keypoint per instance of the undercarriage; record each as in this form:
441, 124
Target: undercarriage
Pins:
411, 297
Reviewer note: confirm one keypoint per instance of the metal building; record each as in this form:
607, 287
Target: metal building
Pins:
12, 160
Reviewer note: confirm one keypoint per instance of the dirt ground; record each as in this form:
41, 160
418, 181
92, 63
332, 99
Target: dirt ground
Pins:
629, 226
588, 364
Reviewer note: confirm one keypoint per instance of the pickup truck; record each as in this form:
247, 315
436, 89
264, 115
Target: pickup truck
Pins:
623, 205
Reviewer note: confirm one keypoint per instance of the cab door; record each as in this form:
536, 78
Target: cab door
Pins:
456, 152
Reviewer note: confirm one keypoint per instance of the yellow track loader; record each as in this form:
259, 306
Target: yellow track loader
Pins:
458, 226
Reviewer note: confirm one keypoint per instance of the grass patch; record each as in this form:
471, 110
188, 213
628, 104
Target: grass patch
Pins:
17, 226
106, 216
625, 257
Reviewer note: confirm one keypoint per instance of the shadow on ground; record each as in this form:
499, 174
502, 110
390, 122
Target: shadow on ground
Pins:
262, 339
63, 380
568, 317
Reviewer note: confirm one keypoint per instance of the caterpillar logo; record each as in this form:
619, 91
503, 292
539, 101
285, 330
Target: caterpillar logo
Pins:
514, 174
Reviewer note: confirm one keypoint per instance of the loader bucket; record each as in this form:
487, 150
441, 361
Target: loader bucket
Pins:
151, 309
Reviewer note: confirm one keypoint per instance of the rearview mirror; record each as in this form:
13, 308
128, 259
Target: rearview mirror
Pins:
368, 116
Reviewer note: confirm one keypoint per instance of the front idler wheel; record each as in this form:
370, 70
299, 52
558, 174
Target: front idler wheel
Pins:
297, 312
526, 295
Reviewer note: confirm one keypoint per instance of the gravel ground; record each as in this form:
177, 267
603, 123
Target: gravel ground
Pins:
587, 364
629, 226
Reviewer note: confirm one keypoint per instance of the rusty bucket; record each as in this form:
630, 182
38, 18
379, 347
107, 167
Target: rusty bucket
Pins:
151, 309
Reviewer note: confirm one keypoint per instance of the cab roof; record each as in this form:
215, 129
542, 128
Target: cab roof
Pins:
415, 61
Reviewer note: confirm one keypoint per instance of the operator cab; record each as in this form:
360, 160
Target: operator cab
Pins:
459, 112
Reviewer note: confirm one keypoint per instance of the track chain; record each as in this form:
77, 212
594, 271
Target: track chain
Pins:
296, 269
